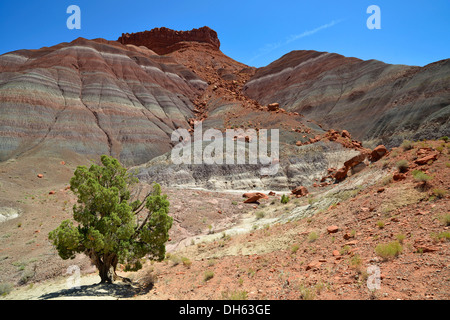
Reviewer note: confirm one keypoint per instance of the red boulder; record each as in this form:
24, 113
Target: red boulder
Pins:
378, 153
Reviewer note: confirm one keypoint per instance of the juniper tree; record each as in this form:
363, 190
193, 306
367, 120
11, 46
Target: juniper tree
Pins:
110, 227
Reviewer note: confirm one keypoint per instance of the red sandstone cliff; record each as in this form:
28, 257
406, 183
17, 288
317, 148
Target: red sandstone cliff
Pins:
164, 40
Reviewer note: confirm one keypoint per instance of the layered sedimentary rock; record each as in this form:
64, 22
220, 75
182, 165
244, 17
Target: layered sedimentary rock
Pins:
93, 97
297, 166
126, 97
164, 40
373, 100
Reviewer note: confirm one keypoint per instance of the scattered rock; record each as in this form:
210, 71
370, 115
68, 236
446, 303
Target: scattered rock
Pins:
398, 176
313, 265
423, 247
355, 160
40, 175
253, 194
332, 135
333, 229
300, 191
377, 153
345, 134
423, 151
52, 192
254, 198
341, 174
348, 235
424, 160
273, 106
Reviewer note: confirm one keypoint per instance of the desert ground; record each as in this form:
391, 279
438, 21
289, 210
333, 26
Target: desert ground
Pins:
321, 246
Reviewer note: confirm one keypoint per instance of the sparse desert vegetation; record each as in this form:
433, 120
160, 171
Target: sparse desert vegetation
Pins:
388, 227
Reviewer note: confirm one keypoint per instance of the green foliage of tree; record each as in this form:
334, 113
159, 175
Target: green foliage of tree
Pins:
110, 227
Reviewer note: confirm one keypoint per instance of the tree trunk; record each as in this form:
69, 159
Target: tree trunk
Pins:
104, 264
104, 273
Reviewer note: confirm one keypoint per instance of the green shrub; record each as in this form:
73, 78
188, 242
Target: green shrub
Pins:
421, 176
259, 215
186, 262
307, 293
445, 219
313, 236
445, 138
387, 180
344, 250
294, 248
26, 276
208, 275
440, 193
388, 250
380, 224
175, 259
400, 237
234, 295
356, 261
402, 165
441, 236
284, 199
407, 145
5, 288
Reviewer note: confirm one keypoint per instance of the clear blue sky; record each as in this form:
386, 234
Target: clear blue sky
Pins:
253, 32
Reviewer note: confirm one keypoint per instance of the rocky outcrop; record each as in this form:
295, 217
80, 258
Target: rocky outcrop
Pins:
341, 174
376, 102
301, 166
426, 159
300, 191
164, 40
254, 197
378, 153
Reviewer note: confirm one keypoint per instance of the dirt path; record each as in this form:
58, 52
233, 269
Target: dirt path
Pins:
88, 288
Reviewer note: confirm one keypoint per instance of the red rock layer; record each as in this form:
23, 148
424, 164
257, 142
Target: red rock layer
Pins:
164, 40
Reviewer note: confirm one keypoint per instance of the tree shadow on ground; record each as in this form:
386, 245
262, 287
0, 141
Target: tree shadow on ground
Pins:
101, 290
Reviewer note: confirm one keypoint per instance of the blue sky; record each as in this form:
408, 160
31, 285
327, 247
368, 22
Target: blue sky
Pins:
253, 32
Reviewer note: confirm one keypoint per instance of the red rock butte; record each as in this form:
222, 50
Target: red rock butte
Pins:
164, 40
